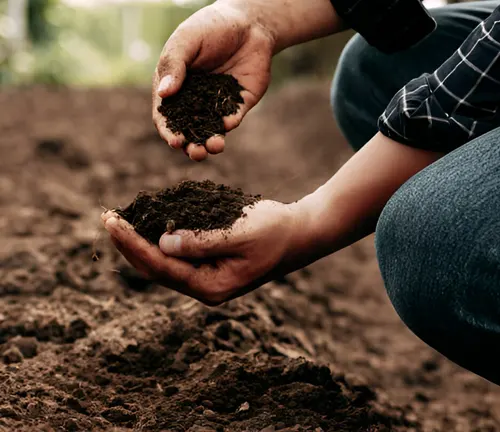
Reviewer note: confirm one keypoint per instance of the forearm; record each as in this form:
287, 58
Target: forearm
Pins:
292, 22
347, 207
389, 25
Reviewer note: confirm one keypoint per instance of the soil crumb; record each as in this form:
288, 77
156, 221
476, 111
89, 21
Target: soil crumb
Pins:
196, 206
197, 110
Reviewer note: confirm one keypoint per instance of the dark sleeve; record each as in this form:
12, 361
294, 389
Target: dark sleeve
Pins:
388, 25
458, 102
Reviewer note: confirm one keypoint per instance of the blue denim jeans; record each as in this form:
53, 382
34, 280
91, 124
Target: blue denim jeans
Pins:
438, 238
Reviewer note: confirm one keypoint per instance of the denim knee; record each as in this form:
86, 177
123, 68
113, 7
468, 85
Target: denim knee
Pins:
439, 261
422, 261
397, 240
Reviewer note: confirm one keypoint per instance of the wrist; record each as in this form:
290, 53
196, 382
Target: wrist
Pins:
290, 22
314, 230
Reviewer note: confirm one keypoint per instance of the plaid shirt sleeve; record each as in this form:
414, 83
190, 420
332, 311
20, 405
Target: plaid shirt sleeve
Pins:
388, 25
458, 102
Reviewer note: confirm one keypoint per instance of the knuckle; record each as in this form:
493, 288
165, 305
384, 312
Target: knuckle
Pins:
262, 38
193, 245
164, 61
165, 64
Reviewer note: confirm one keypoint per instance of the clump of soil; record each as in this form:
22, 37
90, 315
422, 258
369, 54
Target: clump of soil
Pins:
197, 110
196, 206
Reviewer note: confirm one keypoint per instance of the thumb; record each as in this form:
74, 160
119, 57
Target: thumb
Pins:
187, 244
171, 83
178, 53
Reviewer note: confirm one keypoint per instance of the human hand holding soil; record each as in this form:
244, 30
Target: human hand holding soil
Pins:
217, 39
237, 38
218, 265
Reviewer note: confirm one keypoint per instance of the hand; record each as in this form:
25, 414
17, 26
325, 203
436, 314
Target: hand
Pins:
256, 249
237, 37
222, 39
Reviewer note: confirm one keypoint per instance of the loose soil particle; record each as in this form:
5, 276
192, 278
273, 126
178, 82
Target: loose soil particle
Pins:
198, 109
196, 206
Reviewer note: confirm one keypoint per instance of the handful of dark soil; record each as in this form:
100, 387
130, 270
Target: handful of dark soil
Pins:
196, 206
197, 110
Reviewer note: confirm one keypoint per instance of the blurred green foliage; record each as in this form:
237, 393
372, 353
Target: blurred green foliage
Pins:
37, 16
85, 46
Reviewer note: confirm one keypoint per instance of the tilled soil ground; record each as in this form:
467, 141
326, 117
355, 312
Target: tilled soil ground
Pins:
91, 346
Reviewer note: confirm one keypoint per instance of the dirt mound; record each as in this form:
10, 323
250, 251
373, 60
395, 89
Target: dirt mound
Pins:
196, 206
184, 368
198, 109
93, 346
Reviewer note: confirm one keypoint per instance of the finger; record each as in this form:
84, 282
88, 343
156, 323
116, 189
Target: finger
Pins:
137, 265
169, 271
233, 121
179, 51
176, 141
196, 152
171, 73
188, 244
215, 144
108, 214
203, 275
145, 256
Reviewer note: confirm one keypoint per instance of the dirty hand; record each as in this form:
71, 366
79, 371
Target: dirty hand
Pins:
237, 37
230, 263
220, 38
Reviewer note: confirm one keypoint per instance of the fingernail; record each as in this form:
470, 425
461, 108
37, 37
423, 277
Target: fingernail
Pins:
111, 222
170, 244
165, 83
106, 215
